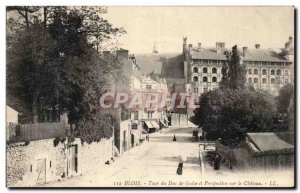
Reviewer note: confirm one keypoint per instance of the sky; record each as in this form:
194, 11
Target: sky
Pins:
165, 27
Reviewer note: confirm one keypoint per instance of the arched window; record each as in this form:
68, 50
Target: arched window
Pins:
249, 71
214, 70
195, 79
204, 70
264, 80
214, 79
286, 72
204, 79
249, 80
264, 72
255, 71
272, 80
255, 80
195, 70
272, 72
278, 72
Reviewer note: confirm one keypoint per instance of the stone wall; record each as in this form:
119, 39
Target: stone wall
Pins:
23, 160
94, 155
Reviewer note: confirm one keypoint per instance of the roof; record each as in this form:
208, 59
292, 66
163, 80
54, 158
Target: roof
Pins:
152, 62
268, 141
264, 55
207, 53
251, 55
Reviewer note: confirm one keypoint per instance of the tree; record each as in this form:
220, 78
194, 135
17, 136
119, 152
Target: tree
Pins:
52, 64
284, 98
229, 114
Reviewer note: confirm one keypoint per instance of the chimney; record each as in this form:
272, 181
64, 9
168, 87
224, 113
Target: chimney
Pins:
184, 40
199, 46
245, 49
220, 46
257, 46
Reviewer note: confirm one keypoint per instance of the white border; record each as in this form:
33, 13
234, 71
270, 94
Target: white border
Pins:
4, 3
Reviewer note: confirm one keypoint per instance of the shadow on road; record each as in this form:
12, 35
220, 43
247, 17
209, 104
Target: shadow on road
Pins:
169, 139
187, 130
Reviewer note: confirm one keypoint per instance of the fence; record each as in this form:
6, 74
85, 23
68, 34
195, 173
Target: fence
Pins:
37, 131
247, 157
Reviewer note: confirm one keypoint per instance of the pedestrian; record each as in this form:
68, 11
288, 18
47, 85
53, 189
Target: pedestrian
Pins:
217, 162
174, 138
180, 166
147, 137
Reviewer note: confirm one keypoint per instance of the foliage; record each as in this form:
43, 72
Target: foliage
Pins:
284, 98
229, 114
53, 62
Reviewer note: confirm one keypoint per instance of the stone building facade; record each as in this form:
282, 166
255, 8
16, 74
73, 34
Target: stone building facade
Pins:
266, 69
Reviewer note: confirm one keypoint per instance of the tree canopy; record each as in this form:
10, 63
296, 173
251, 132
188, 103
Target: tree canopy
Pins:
54, 62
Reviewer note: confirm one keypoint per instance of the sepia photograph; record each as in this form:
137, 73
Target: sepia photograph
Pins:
150, 97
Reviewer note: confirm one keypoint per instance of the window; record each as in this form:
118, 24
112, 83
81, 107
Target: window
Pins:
204, 90
264, 80
286, 72
264, 72
250, 71
148, 86
214, 70
255, 80
214, 79
272, 72
195, 70
150, 113
255, 71
204, 70
278, 72
136, 115
204, 79
195, 79
249, 80
272, 81
134, 126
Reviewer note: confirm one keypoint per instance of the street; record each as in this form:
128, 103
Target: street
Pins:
155, 161
154, 164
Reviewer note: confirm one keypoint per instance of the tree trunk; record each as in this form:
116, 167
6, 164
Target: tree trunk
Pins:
26, 16
45, 16
34, 111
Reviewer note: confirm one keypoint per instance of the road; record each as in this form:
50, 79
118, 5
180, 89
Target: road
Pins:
154, 164
155, 161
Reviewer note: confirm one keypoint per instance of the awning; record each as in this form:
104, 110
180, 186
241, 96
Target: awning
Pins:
162, 123
149, 124
167, 120
155, 124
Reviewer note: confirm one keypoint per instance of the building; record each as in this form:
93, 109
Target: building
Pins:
12, 116
267, 69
